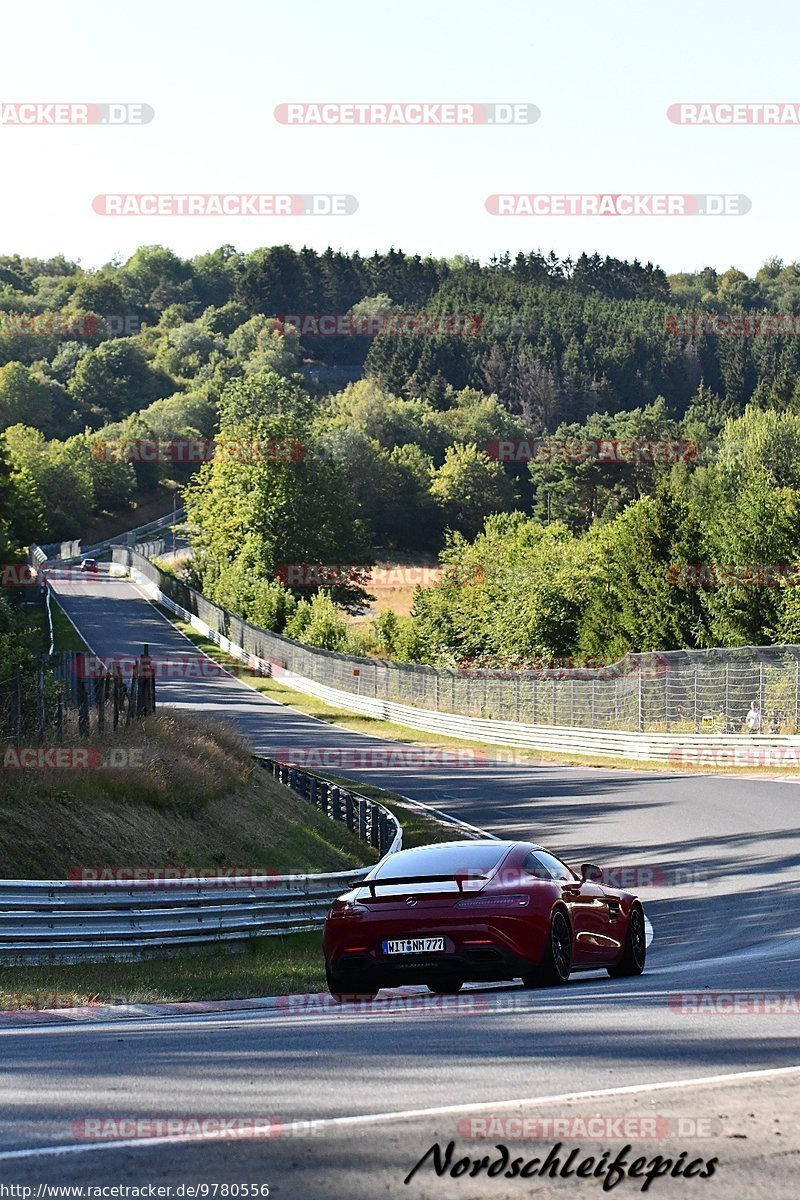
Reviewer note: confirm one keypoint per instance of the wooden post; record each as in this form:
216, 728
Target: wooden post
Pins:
118, 688
133, 698
16, 704
41, 711
100, 701
60, 714
83, 695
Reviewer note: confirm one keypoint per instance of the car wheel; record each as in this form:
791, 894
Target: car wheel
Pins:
444, 987
635, 952
342, 991
556, 962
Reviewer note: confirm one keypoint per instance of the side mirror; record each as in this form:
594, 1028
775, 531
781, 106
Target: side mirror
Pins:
591, 873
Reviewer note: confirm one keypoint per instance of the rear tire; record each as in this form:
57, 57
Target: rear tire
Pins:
635, 953
444, 987
343, 993
556, 964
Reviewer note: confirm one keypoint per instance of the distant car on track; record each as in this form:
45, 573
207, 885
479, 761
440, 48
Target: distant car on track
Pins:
91, 565
483, 911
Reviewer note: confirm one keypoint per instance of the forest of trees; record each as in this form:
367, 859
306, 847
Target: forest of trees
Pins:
581, 551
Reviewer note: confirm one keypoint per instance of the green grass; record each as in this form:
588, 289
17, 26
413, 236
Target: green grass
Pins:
65, 635
269, 966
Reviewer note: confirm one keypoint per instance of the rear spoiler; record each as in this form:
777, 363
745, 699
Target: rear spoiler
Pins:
372, 884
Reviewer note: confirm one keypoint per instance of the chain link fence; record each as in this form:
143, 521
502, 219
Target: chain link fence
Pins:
675, 691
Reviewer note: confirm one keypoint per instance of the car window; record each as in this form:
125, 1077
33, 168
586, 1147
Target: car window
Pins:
463, 859
542, 865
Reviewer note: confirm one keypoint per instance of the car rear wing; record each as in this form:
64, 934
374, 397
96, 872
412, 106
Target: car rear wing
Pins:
399, 880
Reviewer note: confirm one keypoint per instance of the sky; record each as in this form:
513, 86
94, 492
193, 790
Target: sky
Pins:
602, 75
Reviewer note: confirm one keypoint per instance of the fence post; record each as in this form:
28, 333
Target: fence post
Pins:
349, 810
639, 697
16, 703
100, 701
726, 708
535, 701
667, 718
146, 697
373, 825
83, 695
518, 683
133, 698
572, 702
335, 804
796, 692
118, 691
761, 687
41, 714
594, 688
362, 820
383, 833
696, 713
60, 714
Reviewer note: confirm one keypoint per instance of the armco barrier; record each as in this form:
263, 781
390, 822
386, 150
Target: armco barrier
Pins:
68, 920
607, 743
68, 551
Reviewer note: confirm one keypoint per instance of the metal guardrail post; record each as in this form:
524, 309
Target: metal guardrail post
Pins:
349, 810
362, 820
374, 835
335, 804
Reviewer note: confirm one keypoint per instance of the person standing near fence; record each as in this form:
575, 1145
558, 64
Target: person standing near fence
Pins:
753, 718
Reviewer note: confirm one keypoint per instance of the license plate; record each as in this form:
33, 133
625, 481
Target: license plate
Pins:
414, 946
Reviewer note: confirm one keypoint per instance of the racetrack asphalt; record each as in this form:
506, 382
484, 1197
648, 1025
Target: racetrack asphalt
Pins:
726, 918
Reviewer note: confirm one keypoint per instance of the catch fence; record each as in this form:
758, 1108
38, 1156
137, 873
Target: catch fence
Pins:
676, 691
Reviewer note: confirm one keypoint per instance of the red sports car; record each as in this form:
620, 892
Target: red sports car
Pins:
482, 910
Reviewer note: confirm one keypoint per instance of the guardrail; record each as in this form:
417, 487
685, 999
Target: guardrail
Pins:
68, 551
708, 748
90, 920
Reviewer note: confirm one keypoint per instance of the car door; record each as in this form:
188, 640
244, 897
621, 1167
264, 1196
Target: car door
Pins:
587, 905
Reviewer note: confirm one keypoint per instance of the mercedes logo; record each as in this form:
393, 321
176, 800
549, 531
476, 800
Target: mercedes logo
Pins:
411, 899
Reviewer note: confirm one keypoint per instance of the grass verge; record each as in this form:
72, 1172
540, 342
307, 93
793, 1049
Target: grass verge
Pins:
268, 966
186, 793
65, 635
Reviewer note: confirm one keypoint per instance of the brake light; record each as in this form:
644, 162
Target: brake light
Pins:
487, 900
344, 908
